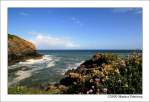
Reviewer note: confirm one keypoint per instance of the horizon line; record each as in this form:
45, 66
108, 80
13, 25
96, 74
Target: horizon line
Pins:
89, 49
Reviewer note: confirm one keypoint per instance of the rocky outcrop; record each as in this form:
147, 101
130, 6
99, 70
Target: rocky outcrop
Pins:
106, 74
20, 50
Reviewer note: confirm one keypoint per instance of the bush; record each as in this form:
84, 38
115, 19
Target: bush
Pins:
118, 75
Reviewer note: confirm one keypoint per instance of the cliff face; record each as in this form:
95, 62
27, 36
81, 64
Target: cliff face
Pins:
20, 49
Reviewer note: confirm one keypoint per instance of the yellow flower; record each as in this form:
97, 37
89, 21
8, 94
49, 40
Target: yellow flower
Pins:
126, 85
102, 74
106, 77
117, 71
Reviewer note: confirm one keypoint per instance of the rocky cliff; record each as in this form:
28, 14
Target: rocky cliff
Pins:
20, 50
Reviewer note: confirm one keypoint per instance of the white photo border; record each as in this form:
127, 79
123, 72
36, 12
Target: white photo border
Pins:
70, 4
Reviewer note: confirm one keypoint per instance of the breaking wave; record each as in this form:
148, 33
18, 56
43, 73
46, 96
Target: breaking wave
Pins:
72, 66
45, 59
31, 65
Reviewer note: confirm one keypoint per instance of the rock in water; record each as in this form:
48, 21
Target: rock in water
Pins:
20, 50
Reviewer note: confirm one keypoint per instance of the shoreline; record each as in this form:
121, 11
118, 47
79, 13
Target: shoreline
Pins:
24, 58
96, 71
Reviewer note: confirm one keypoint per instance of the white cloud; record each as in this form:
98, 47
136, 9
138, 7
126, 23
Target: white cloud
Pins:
24, 13
75, 20
49, 42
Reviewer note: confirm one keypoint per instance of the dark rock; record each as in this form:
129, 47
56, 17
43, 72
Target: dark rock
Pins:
96, 61
67, 81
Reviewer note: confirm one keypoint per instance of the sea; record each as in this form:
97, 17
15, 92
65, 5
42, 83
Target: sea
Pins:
52, 67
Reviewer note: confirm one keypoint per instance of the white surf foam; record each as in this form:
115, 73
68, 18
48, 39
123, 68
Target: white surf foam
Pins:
72, 66
23, 74
45, 58
20, 76
51, 64
33, 64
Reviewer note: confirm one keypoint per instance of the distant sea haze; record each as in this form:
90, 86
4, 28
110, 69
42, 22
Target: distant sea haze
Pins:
52, 66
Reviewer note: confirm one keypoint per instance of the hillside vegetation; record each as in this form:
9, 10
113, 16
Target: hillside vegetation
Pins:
20, 49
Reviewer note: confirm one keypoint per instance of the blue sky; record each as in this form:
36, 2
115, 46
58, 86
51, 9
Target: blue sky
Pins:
78, 28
